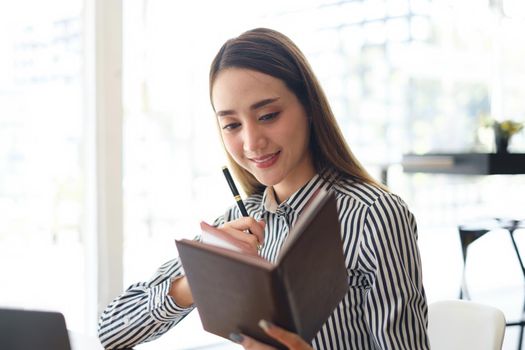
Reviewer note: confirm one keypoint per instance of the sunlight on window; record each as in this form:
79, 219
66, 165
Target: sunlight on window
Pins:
41, 140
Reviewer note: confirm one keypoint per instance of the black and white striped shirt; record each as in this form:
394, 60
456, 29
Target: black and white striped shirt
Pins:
385, 307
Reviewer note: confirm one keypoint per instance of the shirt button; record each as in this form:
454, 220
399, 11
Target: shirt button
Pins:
126, 321
157, 300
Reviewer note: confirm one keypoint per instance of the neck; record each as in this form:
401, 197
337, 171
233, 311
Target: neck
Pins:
283, 191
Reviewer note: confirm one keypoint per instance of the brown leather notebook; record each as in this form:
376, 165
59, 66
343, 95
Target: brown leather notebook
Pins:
233, 290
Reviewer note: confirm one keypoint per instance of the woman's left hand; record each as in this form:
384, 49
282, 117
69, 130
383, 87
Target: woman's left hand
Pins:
289, 339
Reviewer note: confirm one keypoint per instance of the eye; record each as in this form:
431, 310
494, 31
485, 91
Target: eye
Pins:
269, 116
231, 126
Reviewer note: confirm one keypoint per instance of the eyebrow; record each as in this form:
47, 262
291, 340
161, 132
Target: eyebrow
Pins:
253, 107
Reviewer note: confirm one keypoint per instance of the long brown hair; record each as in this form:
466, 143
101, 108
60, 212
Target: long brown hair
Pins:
272, 53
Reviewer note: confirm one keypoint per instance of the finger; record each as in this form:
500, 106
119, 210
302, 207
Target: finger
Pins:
262, 224
291, 340
250, 241
249, 343
260, 233
248, 223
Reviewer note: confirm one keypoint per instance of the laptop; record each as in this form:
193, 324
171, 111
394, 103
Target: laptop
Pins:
29, 329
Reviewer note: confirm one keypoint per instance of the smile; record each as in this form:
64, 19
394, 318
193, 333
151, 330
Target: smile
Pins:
266, 160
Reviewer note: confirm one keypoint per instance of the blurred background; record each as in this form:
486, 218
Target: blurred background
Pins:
109, 150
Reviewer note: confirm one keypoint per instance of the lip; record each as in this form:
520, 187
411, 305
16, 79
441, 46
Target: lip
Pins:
265, 161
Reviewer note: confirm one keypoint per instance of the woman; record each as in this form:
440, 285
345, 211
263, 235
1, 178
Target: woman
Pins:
283, 143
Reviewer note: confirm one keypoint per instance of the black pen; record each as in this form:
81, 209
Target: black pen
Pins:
235, 193
238, 199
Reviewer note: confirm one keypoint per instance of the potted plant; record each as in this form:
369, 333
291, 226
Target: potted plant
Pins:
503, 131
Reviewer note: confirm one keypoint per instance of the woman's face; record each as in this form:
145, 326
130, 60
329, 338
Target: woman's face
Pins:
264, 128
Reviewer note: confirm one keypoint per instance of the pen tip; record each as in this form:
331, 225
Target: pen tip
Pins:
224, 167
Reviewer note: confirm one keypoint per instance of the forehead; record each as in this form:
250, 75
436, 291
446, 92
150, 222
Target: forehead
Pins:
235, 86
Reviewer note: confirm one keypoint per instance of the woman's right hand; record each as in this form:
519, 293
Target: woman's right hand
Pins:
239, 228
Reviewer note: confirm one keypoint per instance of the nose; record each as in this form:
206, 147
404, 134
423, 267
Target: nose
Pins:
254, 138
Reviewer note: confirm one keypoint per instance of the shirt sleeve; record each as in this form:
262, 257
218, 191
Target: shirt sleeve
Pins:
396, 303
143, 312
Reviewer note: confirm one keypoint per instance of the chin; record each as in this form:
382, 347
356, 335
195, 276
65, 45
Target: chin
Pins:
268, 179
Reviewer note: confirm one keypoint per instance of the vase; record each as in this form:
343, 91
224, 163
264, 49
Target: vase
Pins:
502, 143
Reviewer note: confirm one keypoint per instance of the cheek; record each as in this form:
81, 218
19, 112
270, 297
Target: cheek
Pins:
232, 144
296, 134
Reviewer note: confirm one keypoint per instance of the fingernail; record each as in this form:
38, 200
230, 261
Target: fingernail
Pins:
265, 324
236, 338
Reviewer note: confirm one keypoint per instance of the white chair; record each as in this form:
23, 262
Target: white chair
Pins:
465, 325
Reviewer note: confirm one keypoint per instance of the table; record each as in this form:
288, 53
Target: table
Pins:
83, 342
465, 163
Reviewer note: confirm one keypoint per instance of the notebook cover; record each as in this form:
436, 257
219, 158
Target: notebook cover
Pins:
233, 291
314, 271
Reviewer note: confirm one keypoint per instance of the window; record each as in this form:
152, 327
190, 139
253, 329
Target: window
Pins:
41, 157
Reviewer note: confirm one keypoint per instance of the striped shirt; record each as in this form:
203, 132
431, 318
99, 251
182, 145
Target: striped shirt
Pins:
385, 306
